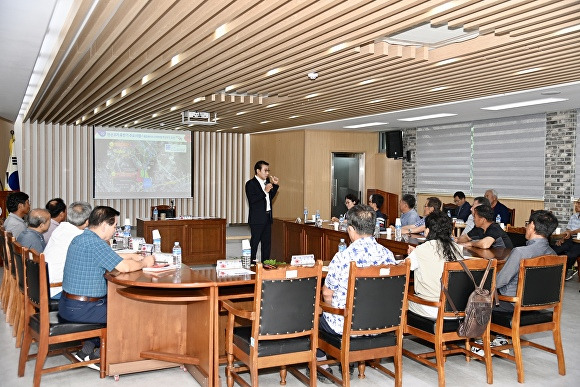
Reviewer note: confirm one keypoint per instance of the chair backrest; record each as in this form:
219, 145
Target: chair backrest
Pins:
517, 235
37, 284
376, 297
286, 300
459, 284
3, 250
18, 252
10, 252
512, 212
541, 281
450, 207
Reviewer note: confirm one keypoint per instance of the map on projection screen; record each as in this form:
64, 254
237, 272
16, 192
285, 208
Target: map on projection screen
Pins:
141, 164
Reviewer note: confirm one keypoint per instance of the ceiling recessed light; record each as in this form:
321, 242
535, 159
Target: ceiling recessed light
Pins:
136, 121
330, 110
311, 95
439, 88
162, 123
109, 101
273, 71
365, 125
447, 61
145, 79
272, 105
124, 93
265, 122
230, 87
527, 71
312, 75
367, 81
338, 47
175, 60
236, 127
173, 108
154, 115
377, 100
525, 103
240, 113
430, 116
293, 116
220, 31
198, 99
96, 110
569, 29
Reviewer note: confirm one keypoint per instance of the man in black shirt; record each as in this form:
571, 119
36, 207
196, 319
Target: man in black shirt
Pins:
486, 233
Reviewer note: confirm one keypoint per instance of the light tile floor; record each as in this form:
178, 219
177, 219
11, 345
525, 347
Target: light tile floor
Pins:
540, 367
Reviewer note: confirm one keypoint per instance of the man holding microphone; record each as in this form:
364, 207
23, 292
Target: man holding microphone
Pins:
260, 191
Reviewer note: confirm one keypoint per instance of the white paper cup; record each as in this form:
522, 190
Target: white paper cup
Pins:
389, 230
558, 230
314, 218
335, 226
578, 236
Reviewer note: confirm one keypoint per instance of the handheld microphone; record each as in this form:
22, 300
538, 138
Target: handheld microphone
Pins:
268, 180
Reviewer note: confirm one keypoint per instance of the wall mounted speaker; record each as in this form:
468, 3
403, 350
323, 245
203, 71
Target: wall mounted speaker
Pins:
395, 144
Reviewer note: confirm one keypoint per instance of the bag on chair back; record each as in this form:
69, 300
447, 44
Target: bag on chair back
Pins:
478, 308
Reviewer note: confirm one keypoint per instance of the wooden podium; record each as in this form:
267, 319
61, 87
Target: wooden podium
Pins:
202, 241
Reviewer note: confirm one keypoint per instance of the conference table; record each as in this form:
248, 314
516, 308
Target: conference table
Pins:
169, 319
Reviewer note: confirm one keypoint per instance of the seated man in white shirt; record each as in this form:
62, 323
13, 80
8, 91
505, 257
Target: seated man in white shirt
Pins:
470, 224
57, 247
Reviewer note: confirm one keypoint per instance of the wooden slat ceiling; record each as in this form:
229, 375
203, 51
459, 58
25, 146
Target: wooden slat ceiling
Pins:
97, 76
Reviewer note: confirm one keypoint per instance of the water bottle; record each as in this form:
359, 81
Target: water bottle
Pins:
317, 215
498, 219
177, 255
155, 213
341, 246
341, 223
398, 229
246, 254
305, 214
377, 229
126, 233
449, 213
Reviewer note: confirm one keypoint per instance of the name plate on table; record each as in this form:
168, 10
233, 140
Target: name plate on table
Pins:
302, 260
229, 264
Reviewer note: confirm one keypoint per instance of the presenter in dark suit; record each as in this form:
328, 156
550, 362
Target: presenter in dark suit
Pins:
260, 192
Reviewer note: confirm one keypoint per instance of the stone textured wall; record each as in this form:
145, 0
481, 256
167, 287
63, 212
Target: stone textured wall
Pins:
409, 167
560, 163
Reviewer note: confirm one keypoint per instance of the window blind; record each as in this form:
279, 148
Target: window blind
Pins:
444, 158
509, 156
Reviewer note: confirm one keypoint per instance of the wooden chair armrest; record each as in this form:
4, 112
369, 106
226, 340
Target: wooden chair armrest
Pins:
331, 309
231, 308
507, 298
419, 300
55, 284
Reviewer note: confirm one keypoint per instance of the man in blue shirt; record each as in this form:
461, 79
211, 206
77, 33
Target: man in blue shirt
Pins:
18, 206
408, 214
38, 223
566, 245
498, 208
89, 257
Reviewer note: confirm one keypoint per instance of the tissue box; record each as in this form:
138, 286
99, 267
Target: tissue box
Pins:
302, 260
